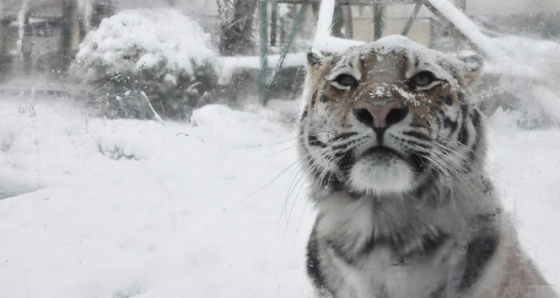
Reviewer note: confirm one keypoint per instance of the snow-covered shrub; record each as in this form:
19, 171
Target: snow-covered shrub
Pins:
159, 52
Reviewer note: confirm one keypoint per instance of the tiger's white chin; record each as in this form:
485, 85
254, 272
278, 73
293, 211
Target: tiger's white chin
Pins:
381, 176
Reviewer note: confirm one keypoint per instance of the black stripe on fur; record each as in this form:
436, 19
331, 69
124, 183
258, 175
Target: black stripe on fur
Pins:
480, 251
439, 293
313, 99
314, 141
463, 136
417, 135
303, 115
448, 123
430, 244
313, 263
476, 122
339, 252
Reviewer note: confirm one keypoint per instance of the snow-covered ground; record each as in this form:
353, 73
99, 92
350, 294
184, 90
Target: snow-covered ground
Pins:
215, 208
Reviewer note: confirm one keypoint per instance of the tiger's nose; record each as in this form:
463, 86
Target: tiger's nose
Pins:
379, 117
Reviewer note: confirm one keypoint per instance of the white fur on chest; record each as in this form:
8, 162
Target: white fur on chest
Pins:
381, 274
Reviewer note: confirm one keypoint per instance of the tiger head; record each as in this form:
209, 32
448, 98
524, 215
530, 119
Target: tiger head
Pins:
389, 117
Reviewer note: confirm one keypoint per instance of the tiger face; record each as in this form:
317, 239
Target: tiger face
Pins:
389, 117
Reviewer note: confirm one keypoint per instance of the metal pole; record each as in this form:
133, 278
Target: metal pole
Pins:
285, 49
377, 21
263, 28
412, 18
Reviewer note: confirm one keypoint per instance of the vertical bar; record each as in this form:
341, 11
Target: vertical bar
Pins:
377, 21
273, 22
263, 28
348, 25
338, 20
5, 58
27, 45
68, 20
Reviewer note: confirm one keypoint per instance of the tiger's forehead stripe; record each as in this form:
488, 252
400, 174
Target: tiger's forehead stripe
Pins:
354, 62
349, 64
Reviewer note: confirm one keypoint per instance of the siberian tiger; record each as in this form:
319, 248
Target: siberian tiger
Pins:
395, 151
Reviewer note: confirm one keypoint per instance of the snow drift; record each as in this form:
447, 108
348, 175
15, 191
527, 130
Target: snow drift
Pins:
215, 208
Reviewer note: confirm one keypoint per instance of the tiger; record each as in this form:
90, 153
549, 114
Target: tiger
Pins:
393, 145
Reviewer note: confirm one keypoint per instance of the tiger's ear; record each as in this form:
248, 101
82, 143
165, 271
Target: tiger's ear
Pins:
472, 66
314, 60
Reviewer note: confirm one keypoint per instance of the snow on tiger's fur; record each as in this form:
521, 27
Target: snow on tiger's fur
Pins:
395, 150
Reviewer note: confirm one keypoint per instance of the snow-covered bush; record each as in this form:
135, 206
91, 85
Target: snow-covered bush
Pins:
159, 52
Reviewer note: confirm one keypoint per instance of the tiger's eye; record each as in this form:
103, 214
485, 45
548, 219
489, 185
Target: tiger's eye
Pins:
346, 80
422, 79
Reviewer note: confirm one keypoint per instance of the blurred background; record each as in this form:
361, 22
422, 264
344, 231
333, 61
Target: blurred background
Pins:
247, 50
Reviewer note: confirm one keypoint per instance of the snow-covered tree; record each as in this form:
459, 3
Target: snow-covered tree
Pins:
159, 52
236, 26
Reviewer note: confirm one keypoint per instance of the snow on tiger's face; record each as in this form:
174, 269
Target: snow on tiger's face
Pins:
385, 117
